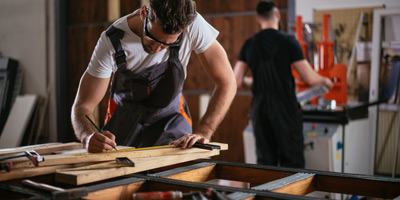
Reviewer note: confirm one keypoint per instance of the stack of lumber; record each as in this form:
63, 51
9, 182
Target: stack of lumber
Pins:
61, 159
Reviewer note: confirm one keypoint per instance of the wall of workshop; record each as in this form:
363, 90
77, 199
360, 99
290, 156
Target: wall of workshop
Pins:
86, 20
27, 35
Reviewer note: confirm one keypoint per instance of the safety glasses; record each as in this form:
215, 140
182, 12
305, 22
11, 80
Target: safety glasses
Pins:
150, 37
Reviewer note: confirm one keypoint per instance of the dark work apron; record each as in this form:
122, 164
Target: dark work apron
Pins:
149, 107
275, 113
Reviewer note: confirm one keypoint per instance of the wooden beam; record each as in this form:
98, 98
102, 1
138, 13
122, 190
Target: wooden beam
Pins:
113, 12
108, 156
29, 172
43, 148
141, 164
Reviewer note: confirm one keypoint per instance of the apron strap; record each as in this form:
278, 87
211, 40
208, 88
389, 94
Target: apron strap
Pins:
115, 35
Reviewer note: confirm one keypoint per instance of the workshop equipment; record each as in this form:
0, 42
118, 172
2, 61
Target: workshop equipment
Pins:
326, 66
341, 139
299, 36
32, 155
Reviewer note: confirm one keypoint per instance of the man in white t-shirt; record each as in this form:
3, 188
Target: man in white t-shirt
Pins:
147, 53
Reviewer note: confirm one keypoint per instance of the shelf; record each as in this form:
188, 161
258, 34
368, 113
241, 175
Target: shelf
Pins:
391, 44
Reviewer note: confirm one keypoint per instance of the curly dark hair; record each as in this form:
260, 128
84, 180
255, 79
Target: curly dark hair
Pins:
172, 15
265, 9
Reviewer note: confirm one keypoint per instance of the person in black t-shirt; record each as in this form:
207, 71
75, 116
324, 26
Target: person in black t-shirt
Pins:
275, 112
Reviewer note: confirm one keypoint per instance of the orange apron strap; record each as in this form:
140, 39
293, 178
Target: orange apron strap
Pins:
182, 111
110, 110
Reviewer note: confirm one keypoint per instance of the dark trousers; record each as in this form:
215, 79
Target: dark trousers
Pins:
279, 137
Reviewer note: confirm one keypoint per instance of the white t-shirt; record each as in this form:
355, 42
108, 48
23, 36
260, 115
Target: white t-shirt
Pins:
198, 36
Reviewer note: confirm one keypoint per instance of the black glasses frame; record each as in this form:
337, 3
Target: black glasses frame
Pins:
151, 37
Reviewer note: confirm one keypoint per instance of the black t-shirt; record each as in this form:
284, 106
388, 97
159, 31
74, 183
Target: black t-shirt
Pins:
283, 48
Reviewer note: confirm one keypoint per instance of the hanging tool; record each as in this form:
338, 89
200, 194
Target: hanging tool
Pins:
119, 162
350, 64
31, 155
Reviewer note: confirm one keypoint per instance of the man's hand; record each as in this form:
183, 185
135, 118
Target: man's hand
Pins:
327, 82
98, 142
188, 140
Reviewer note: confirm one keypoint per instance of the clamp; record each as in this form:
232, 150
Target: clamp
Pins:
31, 155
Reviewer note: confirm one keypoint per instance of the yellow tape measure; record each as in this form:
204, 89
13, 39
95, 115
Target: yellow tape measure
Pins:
132, 149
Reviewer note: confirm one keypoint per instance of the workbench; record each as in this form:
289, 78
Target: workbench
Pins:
235, 180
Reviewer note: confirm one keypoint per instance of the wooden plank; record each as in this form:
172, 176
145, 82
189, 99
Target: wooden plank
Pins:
141, 164
43, 148
29, 172
108, 156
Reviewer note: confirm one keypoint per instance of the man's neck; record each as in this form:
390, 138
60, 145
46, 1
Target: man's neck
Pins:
269, 25
135, 24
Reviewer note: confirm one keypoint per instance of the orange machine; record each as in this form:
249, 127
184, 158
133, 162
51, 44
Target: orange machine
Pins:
336, 72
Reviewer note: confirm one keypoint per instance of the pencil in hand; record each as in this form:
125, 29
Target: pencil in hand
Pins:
99, 130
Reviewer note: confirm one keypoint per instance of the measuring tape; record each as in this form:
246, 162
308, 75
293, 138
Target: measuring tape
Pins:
129, 150
197, 145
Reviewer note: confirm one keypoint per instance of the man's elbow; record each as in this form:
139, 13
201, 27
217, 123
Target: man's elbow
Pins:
238, 82
233, 85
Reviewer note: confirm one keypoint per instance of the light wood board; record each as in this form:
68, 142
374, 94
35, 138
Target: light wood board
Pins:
141, 164
43, 148
29, 172
108, 156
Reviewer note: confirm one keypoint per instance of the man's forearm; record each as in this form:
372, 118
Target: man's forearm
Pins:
217, 108
82, 127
